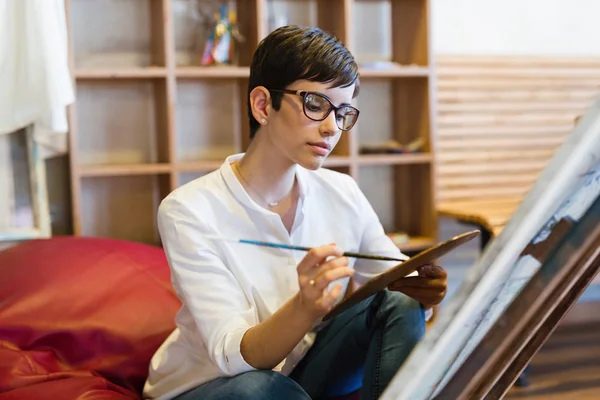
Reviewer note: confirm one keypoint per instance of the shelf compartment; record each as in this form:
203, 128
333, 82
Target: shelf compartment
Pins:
186, 177
122, 122
206, 120
329, 15
124, 169
397, 31
395, 110
135, 37
122, 207
401, 196
290, 12
192, 21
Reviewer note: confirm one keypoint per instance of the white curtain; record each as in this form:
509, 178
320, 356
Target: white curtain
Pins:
35, 83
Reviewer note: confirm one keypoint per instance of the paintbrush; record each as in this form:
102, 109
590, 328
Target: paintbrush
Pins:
303, 248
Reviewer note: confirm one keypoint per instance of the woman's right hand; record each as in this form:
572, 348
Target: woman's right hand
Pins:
321, 266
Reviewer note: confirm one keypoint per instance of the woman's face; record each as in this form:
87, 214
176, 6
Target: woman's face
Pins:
300, 139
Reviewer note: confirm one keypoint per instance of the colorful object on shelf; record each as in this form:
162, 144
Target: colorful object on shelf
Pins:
224, 34
394, 147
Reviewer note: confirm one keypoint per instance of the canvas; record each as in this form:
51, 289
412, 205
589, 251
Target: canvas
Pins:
564, 192
571, 260
29, 216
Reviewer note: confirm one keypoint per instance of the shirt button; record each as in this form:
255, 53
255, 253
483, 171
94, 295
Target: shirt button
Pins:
291, 261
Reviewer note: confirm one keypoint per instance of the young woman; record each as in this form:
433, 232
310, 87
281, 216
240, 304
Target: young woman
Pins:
250, 324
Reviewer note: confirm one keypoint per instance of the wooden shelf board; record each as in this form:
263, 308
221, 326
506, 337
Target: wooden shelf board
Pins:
394, 71
19, 234
123, 169
120, 73
417, 243
211, 165
394, 159
213, 72
197, 166
337, 161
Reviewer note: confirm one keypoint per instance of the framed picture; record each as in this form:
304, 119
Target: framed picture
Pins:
520, 288
23, 179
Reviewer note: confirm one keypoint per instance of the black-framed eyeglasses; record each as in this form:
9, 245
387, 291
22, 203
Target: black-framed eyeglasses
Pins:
317, 107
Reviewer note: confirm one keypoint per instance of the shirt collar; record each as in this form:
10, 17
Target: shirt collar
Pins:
240, 193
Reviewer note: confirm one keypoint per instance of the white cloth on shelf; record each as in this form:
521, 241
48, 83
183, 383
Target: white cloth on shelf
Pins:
35, 82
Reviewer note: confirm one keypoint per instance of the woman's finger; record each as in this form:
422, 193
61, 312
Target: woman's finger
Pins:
424, 296
326, 302
325, 278
316, 256
311, 275
333, 263
432, 271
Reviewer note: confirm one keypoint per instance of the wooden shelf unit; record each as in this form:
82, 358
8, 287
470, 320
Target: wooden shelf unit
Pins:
148, 118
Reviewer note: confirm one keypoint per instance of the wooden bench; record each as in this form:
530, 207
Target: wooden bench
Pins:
499, 121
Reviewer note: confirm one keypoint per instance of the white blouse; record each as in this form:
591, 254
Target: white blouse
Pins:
226, 288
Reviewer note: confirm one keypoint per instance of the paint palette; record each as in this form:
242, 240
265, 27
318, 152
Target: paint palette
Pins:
403, 269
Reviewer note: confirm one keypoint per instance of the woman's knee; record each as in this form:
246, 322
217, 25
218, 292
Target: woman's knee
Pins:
406, 311
264, 384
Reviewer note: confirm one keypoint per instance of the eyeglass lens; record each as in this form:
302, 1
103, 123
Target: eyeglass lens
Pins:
318, 107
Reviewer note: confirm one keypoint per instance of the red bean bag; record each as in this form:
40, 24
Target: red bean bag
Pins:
80, 318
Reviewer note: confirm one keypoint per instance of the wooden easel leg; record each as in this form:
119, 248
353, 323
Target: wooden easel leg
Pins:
486, 236
522, 379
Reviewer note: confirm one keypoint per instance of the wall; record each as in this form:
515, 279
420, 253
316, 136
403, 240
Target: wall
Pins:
517, 27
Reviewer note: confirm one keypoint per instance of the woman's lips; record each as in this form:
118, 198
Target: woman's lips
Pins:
321, 148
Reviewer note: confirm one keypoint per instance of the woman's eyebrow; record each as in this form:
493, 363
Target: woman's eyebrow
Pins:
329, 98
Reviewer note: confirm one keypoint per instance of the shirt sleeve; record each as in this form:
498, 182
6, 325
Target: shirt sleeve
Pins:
206, 287
373, 241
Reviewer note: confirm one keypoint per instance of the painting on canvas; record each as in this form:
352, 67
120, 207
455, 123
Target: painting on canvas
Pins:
565, 190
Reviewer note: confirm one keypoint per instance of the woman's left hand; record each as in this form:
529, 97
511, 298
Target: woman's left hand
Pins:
429, 288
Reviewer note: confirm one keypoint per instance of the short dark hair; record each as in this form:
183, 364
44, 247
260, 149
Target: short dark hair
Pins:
290, 53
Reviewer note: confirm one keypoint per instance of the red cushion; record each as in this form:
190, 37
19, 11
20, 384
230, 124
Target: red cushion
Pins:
83, 388
87, 309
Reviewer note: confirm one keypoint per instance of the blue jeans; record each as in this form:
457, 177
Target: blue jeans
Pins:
372, 339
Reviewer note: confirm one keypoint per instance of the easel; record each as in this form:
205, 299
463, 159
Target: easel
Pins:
523, 285
495, 364
39, 196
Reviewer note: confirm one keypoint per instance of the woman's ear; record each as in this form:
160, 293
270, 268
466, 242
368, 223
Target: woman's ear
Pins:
260, 103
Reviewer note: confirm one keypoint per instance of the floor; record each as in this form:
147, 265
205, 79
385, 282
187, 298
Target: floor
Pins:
568, 365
